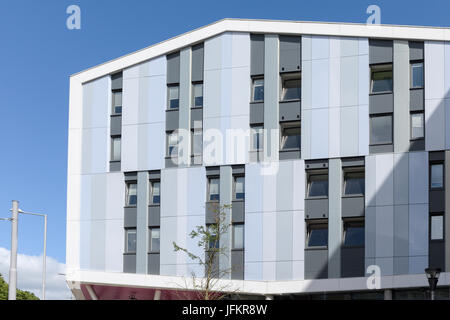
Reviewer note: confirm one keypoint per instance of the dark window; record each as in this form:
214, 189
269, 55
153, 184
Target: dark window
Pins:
290, 136
172, 144
197, 95
213, 236
130, 245
257, 138
381, 129
258, 90
174, 97
354, 183
155, 192
417, 125
437, 176
317, 235
238, 236
131, 194
318, 185
381, 79
417, 75
239, 188
154, 240
291, 87
213, 189
354, 234
117, 102
115, 148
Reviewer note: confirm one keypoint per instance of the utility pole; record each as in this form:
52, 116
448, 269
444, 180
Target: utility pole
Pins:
13, 261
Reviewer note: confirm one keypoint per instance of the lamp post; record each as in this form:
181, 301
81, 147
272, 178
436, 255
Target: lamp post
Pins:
433, 277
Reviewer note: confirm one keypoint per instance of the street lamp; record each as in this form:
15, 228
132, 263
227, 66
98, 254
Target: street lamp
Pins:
433, 277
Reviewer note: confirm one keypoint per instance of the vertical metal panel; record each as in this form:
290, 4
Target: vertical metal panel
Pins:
257, 54
380, 51
142, 223
173, 68
290, 53
418, 237
401, 239
197, 62
335, 218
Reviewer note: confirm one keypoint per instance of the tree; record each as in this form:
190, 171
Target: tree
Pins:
208, 238
20, 295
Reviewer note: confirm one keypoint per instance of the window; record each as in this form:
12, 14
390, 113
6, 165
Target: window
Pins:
258, 90
317, 235
197, 95
197, 142
213, 236
317, 185
239, 188
354, 234
381, 79
155, 192
354, 183
290, 136
213, 189
174, 97
172, 144
417, 75
238, 236
437, 176
130, 240
437, 227
291, 87
417, 131
115, 148
257, 138
381, 129
154, 240
117, 102
131, 194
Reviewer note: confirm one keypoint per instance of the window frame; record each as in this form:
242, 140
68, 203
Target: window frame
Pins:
151, 196
194, 84
313, 173
291, 76
381, 68
217, 243
208, 195
412, 65
253, 80
316, 225
126, 249
441, 163
150, 244
257, 130
233, 226
168, 136
290, 125
113, 149
235, 177
127, 193
442, 215
196, 131
352, 223
169, 87
411, 127
113, 101
355, 170
379, 115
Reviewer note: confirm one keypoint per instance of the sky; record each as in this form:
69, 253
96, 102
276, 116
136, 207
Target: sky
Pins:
38, 54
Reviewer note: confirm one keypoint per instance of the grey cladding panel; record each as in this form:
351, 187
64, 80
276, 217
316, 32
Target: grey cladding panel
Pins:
316, 208
417, 145
290, 53
237, 263
116, 125
129, 263
211, 212
287, 155
154, 175
173, 68
437, 254
196, 116
352, 162
352, 207
352, 262
114, 166
130, 217
380, 51
238, 169
381, 103
172, 120
197, 62
212, 171
384, 148
316, 164
437, 201
416, 100
257, 54
290, 111
415, 50
171, 163
316, 263
116, 81
130, 176
437, 156
256, 113
153, 263
154, 216
238, 211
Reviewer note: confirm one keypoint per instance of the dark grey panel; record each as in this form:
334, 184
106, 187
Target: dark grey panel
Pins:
153, 263
130, 176
437, 201
130, 217
173, 68
437, 254
237, 263
417, 145
381, 103
256, 113
257, 54
116, 81
352, 262
114, 166
154, 175
172, 117
211, 212
238, 211
316, 263
238, 169
290, 111
214, 266
197, 62
381, 148
436, 156
352, 162
352, 207
289, 154
171, 163
316, 164
129, 263
116, 125
154, 216
196, 115
213, 171
380, 51
415, 50
316, 208
416, 100
290, 53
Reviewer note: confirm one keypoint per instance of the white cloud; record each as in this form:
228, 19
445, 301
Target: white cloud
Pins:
29, 275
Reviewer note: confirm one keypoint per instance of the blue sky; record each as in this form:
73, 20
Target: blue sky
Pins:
38, 54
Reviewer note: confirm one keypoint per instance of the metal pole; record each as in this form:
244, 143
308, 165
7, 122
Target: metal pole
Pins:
13, 261
44, 258
432, 294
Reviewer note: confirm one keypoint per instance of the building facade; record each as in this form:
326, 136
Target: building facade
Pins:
330, 142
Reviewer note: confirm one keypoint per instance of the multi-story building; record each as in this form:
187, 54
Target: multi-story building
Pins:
331, 141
